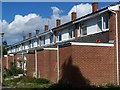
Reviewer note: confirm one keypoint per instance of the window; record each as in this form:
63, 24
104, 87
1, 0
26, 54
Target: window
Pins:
99, 24
84, 30
35, 43
59, 36
73, 33
43, 41
30, 44
70, 34
105, 22
51, 38
38, 42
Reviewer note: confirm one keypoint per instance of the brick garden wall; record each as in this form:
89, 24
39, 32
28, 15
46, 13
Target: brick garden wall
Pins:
30, 64
4, 62
47, 64
84, 65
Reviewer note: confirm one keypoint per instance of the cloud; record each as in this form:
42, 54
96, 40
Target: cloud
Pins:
82, 9
56, 10
32, 21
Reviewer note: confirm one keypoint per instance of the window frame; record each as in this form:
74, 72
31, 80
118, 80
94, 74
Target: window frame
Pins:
105, 29
81, 29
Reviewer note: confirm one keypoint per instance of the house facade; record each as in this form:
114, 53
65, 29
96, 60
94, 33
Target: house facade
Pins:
84, 51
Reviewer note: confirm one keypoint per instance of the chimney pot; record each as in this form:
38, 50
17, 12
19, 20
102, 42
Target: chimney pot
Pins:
30, 35
58, 22
94, 6
37, 32
73, 16
46, 27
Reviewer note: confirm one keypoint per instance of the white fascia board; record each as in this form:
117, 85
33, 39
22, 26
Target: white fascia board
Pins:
50, 48
115, 8
5, 55
92, 44
11, 54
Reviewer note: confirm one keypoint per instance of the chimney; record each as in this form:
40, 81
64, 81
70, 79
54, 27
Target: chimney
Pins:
30, 35
73, 16
46, 27
58, 22
37, 32
94, 6
24, 37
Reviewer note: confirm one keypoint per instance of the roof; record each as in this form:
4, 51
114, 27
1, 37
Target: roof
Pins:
65, 24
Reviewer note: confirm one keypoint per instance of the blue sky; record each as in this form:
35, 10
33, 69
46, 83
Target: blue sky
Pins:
10, 9
41, 10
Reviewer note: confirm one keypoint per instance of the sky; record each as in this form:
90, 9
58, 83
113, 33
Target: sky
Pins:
20, 18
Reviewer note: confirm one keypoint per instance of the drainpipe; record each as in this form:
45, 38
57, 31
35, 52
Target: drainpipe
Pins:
36, 62
58, 64
117, 60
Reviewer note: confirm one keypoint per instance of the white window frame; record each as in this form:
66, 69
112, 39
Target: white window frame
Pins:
103, 23
51, 36
99, 20
83, 25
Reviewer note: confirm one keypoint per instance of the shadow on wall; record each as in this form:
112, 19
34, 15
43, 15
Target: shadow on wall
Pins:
72, 75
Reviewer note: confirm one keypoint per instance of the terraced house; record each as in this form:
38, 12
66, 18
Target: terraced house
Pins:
84, 51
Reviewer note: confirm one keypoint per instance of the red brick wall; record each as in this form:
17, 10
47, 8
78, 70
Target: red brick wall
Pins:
83, 65
4, 62
30, 64
10, 59
112, 26
47, 64
41, 64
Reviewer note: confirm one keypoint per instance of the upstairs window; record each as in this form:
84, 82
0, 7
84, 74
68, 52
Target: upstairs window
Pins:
30, 45
99, 24
70, 34
59, 36
83, 30
51, 38
43, 41
105, 22
38, 42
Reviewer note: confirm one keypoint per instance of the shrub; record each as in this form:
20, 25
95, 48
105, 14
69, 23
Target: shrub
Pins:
41, 81
13, 71
27, 79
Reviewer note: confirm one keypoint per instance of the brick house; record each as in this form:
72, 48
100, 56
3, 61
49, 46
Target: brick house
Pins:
81, 52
